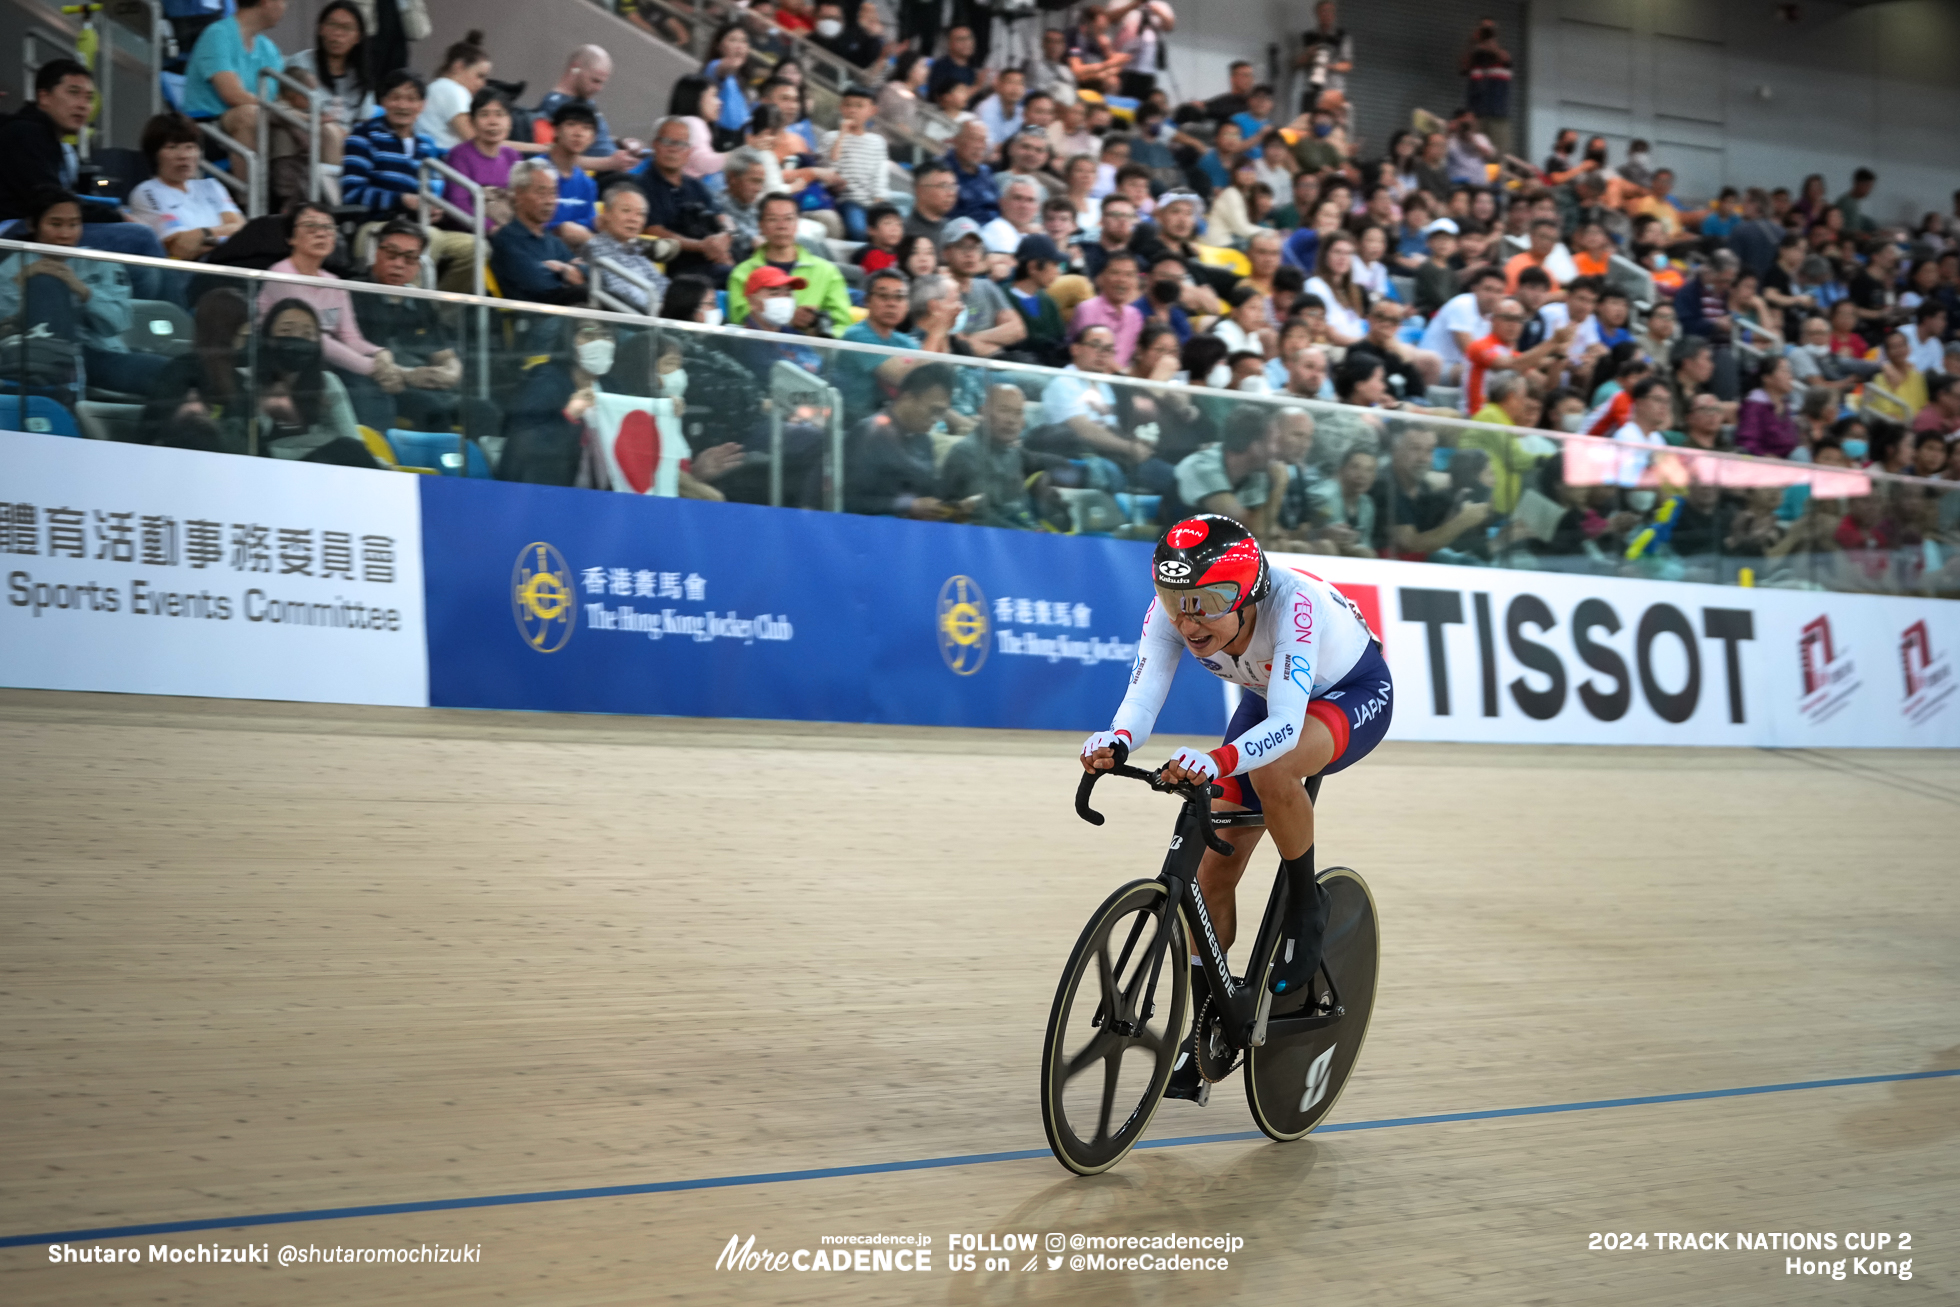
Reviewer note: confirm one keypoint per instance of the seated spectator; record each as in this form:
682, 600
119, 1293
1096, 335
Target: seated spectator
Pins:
985, 475
1499, 352
1245, 328
935, 194
889, 465
447, 116
1334, 284
991, 324
586, 74
1114, 307
918, 256
1118, 232
728, 54
884, 230
1409, 369
485, 157
1705, 424
1020, 217
1412, 519
1924, 335
1898, 392
382, 173
1087, 408
1436, 280
1703, 303
37, 159
572, 125
1929, 449
338, 64
618, 241
1233, 477
1000, 111
80, 303
301, 407
786, 97
898, 100
366, 370
1030, 157
1544, 240
1052, 74
837, 31
530, 262
544, 430
1343, 505
822, 303
413, 335
977, 197
196, 401
861, 159
1514, 400
1941, 416
1036, 265
959, 65
867, 380
1764, 425
697, 104
189, 213
745, 181
679, 208
221, 80
1162, 297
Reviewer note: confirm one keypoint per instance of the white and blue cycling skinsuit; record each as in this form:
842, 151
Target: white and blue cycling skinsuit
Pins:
1311, 654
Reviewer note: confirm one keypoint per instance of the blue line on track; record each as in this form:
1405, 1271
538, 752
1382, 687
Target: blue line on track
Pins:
920, 1164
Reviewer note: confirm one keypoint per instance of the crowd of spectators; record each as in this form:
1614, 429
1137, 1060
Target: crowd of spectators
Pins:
1032, 191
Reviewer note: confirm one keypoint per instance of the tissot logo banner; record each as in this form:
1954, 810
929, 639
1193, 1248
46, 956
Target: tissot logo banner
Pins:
546, 598
1539, 657
160, 571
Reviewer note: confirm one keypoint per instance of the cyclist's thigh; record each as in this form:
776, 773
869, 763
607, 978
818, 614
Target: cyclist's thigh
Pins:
1356, 711
1239, 795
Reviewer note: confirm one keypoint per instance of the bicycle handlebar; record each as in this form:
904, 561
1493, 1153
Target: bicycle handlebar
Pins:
1201, 795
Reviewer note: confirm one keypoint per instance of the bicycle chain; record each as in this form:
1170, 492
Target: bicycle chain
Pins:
1200, 1041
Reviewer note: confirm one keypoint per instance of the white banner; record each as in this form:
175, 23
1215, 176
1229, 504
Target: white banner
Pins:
1548, 658
161, 571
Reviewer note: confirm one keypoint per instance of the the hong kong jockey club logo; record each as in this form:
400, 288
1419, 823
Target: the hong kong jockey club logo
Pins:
542, 598
963, 625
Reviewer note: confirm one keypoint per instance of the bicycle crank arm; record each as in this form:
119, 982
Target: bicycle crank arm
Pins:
1258, 1039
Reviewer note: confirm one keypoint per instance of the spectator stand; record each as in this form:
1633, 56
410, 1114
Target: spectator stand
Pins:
600, 298
433, 202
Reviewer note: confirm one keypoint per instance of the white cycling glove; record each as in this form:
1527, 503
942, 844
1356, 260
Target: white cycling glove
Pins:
1105, 740
1196, 760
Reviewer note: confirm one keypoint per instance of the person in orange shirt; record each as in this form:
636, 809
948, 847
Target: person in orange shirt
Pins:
1544, 239
1595, 253
1498, 351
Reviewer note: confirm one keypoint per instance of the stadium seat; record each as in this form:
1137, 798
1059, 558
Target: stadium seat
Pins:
43, 416
158, 327
114, 422
1231, 260
377, 445
437, 452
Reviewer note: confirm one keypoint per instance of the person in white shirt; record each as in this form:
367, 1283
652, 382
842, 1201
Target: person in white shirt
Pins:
1463, 321
1652, 406
1338, 286
446, 110
1245, 328
190, 214
1923, 335
1020, 215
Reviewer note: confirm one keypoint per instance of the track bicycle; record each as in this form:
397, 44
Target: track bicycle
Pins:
1121, 1009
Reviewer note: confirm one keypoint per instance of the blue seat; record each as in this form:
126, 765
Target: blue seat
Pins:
43, 416
1139, 508
437, 449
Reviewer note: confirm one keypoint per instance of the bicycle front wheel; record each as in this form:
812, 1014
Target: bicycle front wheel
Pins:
1114, 1030
1292, 1083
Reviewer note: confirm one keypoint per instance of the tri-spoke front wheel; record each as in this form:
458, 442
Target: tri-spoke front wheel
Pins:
1114, 1031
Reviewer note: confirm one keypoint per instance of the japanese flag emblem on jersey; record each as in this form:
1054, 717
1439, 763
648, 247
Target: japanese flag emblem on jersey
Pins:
641, 442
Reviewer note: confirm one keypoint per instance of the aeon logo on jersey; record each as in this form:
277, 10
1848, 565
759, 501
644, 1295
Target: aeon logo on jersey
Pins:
1303, 616
1830, 677
1927, 672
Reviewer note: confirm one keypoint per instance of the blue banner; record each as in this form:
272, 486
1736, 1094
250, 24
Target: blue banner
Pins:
563, 600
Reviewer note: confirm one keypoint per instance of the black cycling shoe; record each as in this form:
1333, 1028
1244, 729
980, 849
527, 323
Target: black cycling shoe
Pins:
1185, 1080
1300, 940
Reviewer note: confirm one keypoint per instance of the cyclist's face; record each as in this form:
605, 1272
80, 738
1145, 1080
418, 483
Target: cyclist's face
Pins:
1206, 635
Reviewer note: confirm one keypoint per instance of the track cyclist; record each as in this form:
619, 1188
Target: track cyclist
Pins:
1317, 699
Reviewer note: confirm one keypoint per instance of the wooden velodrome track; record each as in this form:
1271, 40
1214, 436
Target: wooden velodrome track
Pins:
266, 959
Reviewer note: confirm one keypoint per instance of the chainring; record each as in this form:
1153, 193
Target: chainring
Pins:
1216, 1056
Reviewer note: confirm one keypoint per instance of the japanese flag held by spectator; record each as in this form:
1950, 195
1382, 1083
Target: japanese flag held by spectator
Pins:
641, 442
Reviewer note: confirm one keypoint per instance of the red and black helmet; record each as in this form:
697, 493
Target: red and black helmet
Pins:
1208, 566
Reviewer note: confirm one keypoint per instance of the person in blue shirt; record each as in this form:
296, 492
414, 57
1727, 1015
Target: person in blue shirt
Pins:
1218, 162
221, 81
979, 198
573, 126
530, 262
1256, 118
730, 52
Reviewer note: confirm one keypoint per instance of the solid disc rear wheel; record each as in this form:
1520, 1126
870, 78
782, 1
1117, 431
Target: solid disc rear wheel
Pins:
1112, 1036
1293, 1082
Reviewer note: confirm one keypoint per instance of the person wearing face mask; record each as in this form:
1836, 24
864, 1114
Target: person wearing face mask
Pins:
367, 370
1160, 299
544, 429
836, 31
302, 409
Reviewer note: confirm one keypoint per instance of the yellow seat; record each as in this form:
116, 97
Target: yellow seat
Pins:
377, 445
1231, 260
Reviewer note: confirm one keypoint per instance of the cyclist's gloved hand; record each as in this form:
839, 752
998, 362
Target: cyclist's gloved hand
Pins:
1187, 765
1099, 750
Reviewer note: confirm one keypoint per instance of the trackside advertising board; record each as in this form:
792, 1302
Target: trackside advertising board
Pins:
158, 571
1483, 654
566, 600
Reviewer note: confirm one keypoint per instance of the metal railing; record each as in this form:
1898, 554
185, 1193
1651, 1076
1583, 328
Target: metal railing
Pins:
604, 299
791, 388
478, 222
270, 108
